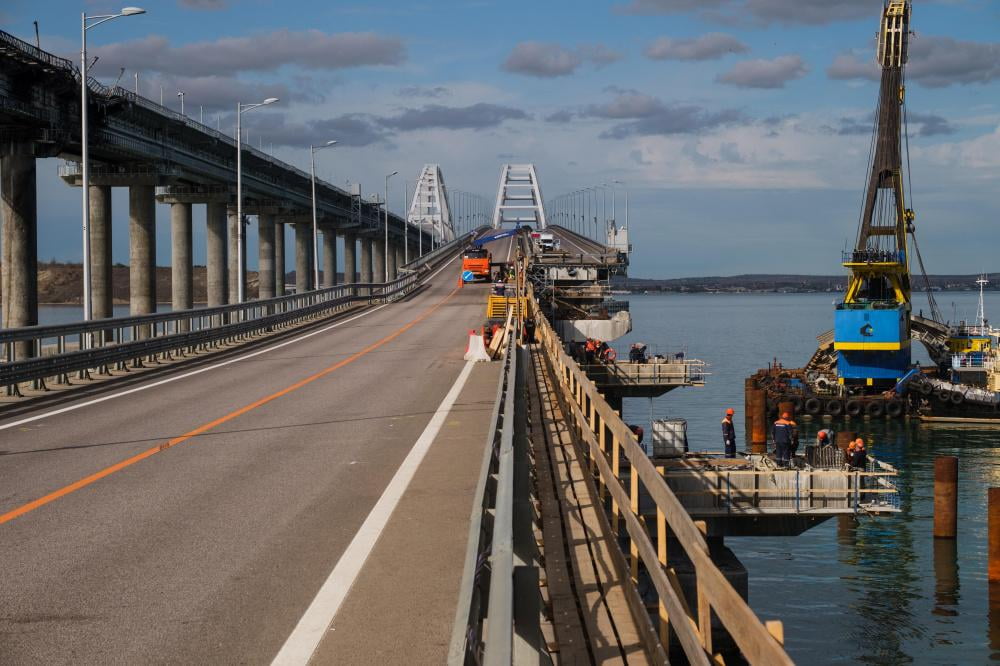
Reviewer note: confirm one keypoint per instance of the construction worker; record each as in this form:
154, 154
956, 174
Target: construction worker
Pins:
729, 433
529, 331
590, 349
824, 437
859, 459
783, 431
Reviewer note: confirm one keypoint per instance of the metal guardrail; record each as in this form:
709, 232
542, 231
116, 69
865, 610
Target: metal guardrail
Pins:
483, 629
36, 353
496, 621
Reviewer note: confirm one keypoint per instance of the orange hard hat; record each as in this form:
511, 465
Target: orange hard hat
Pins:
851, 446
730, 412
822, 434
786, 415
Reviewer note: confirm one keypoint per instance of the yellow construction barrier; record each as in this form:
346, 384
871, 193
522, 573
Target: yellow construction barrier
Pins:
497, 306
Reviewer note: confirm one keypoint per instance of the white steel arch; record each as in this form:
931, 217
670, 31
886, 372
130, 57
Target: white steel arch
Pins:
519, 197
429, 208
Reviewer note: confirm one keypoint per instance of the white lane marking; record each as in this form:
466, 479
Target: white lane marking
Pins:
305, 638
168, 380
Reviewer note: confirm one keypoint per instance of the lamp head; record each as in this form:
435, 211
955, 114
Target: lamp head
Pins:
393, 173
269, 100
132, 11
331, 143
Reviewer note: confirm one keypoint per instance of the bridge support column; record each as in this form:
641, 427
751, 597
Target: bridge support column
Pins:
329, 257
393, 260
142, 249
366, 260
218, 284
350, 259
303, 256
181, 270
101, 290
378, 267
265, 256
19, 209
279, 258
236, 258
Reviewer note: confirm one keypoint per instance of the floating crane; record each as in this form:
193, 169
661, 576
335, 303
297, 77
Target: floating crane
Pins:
872, 329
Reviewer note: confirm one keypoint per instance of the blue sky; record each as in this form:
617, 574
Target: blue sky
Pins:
738, 127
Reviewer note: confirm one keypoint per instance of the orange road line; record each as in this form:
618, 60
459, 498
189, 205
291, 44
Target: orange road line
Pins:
128, 462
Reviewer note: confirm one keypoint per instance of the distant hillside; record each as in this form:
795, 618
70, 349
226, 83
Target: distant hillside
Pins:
784, 283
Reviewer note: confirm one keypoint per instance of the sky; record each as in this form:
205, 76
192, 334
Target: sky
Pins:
738, 130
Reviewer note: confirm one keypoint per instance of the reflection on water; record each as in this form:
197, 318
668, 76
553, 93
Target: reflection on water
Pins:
852, 590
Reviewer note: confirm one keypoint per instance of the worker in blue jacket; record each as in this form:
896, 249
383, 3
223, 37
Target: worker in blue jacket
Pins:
729, 434
784, 432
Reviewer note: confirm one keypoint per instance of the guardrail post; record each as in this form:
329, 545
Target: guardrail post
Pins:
704, 606
661, 555
633, 547
615, 472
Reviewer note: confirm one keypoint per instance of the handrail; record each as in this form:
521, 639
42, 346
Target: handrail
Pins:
597, 422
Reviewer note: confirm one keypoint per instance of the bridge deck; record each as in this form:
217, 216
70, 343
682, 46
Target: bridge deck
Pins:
194, 519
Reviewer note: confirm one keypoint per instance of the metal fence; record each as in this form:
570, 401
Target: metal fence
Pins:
38, 353
497, 617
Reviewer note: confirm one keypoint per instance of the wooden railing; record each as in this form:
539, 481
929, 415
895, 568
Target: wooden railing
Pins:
607, 442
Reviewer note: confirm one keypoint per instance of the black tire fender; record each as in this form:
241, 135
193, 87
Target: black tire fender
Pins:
852, 408
894, 408
875, 409
813, 406
834, 407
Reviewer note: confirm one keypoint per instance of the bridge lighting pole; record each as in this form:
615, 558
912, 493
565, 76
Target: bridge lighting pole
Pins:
86, 23
385, 260
181, 95
406, 223
315, 230
240, 268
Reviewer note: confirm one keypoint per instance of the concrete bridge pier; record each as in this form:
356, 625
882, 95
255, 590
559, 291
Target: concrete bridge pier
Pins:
279, 258
303, 257
101, 290
181, 270
366, 260
234, 258
350, 258
19, 238
393, 260
216, 277
378, 267
265, 256
329, 257
142, 249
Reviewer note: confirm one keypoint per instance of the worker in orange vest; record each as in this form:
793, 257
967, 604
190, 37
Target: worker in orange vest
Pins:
729, 433
784, 432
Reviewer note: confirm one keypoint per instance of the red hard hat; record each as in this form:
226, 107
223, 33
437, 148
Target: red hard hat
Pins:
730, 412
786, 415
822, 434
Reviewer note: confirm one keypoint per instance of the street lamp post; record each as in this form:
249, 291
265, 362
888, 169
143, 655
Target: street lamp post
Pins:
181, 95
240, 268
88, 308
315, 231
406, 223
385, 256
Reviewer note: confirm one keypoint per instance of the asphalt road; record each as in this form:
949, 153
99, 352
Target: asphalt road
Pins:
209, 551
